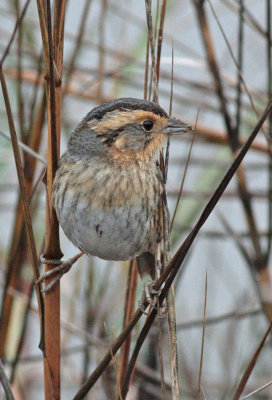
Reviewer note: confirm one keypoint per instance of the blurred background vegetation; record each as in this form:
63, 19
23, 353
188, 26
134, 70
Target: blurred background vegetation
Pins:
222, 73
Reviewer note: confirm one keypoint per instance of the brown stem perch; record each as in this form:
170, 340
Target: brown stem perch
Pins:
53, 53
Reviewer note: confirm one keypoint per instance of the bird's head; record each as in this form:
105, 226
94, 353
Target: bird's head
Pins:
129, 128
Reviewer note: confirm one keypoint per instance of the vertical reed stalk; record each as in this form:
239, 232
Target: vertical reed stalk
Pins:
53, 55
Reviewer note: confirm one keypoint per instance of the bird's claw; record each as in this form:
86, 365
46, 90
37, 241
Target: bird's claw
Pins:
60, 269
150, 295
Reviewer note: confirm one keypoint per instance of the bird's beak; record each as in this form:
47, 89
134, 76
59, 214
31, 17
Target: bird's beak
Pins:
176, 127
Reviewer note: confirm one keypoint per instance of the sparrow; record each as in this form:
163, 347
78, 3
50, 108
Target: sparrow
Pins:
108, 188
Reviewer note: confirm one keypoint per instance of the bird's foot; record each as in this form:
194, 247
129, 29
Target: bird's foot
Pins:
61, 268
150, 295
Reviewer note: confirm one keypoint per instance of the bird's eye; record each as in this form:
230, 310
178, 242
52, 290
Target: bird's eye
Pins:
148, 125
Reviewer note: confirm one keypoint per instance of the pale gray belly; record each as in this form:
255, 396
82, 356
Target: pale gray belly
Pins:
118, 234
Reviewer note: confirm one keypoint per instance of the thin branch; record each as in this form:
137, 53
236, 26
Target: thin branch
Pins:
20, 102
152, 48
146, 68
160, 38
